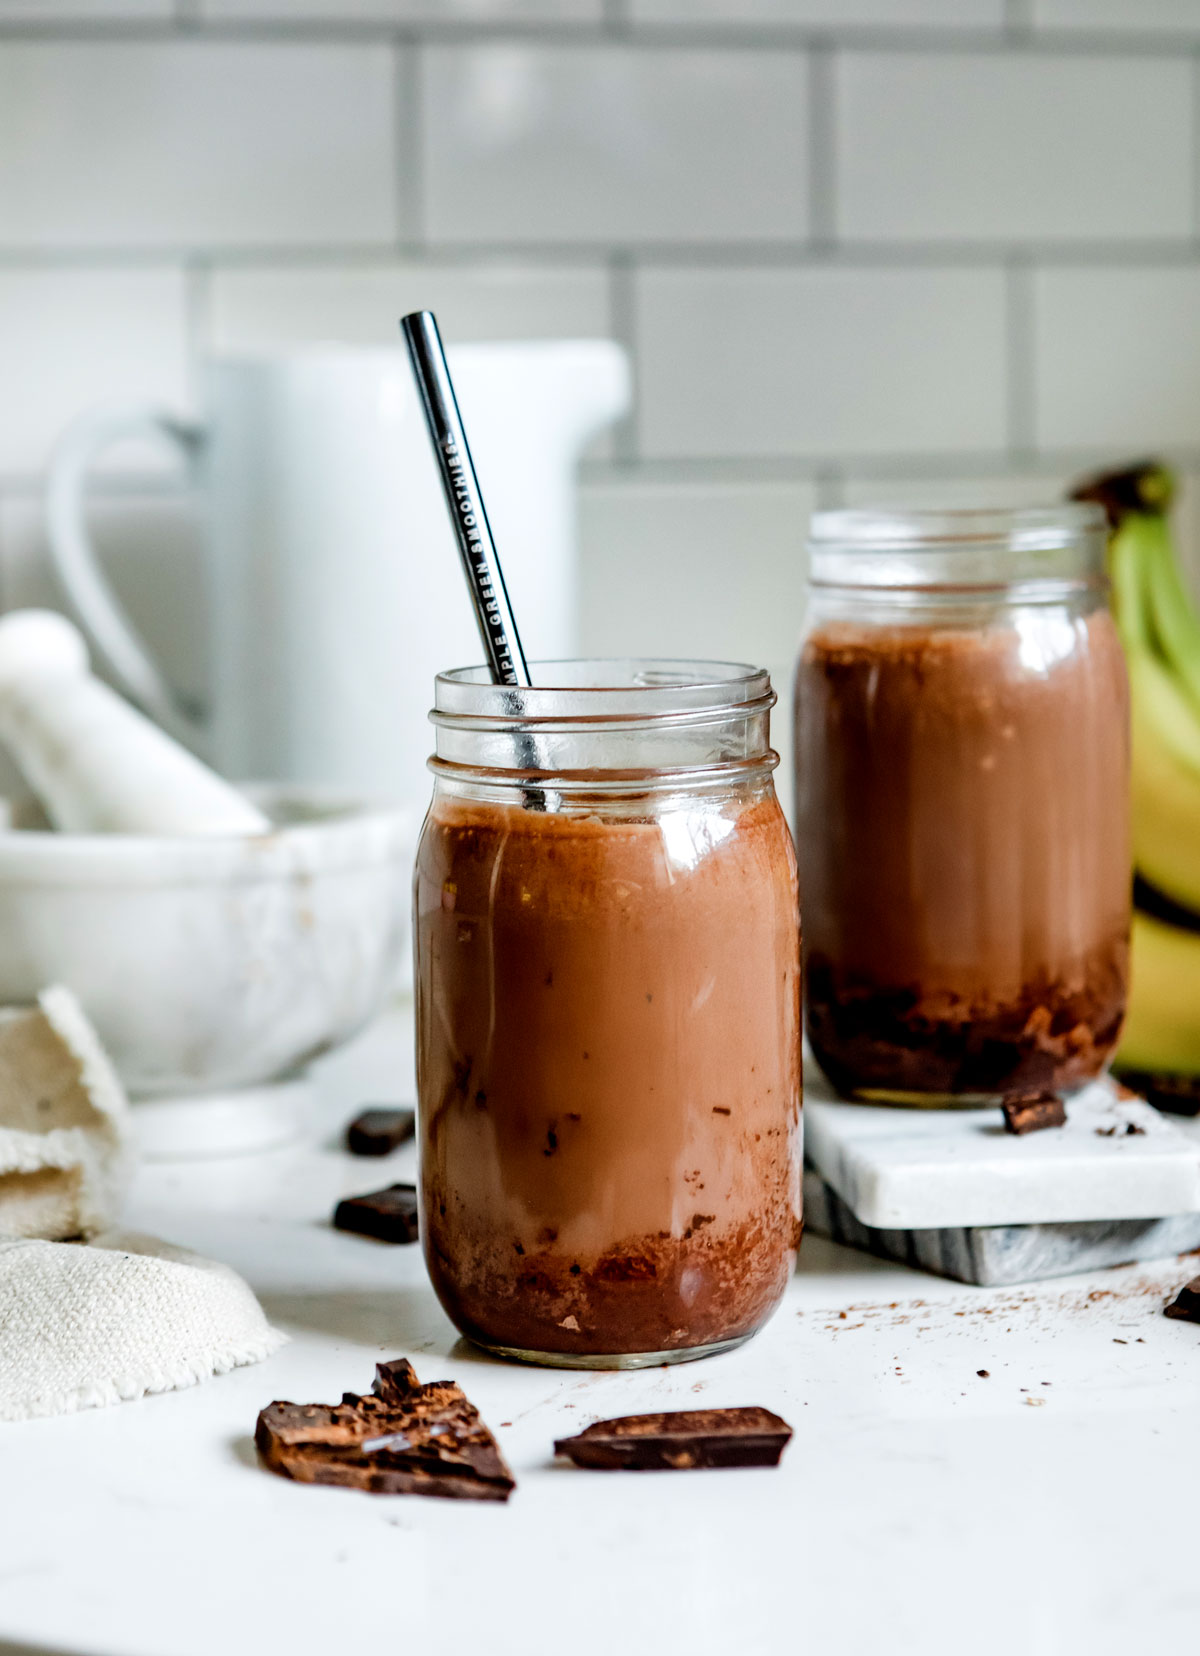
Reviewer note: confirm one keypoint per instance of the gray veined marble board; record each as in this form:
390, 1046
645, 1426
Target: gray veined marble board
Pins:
933, 1170
998, 1256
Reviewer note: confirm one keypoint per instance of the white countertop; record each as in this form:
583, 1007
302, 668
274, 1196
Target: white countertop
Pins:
1047, 1509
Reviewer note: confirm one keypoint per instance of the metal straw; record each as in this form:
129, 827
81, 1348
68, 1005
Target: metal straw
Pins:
481, 563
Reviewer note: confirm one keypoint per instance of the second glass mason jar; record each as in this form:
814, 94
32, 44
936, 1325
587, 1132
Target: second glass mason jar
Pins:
608, 1013
962, 803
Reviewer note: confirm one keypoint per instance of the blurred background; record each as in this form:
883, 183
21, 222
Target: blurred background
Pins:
857, 250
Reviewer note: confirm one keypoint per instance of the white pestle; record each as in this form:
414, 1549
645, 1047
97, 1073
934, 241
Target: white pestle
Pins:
97, 765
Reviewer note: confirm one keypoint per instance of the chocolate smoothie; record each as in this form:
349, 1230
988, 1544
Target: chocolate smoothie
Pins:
963, 835
608, 1071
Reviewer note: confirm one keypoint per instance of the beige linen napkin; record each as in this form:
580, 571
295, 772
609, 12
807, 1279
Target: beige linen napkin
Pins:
66, 1138
113, 1316
82, 1326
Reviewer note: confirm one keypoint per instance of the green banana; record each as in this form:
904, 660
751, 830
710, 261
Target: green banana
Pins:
1165, 817
1162, 1026
1172, 613
1160, 631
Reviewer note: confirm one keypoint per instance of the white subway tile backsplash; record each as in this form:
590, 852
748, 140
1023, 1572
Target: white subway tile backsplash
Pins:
1132, 16
158, 144
967, 146
259, 308
821, 361
151, 548
561, 143
714, 570
708, 570
1118, 358
405, 11
322, 208
824, 13
73, 338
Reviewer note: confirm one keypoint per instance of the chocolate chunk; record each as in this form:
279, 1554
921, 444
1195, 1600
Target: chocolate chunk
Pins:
389, 1215
379, 1129
692, 1438
402, 1439
1030, 1112
1186, 1304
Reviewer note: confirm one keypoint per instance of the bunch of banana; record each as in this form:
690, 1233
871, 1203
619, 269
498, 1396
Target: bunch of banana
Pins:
1160, 630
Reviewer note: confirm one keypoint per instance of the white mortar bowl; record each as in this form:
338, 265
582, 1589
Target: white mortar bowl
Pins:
212, 964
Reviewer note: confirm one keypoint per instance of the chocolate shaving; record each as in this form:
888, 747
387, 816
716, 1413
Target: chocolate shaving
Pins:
1186, 1304
1031, 1112
389, 1215
402, 1439
379, 1129
690, 1439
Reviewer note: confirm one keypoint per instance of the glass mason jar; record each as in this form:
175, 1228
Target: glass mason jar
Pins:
608, 1013
962, 803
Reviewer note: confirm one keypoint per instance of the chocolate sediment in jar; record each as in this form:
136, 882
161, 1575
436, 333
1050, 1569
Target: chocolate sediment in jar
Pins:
608, 1057
964, 852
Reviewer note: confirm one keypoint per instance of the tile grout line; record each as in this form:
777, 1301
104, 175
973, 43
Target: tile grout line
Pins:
893, 466
408, 147
822, 149
829, 472
198, 323
615, 19
829, 488
186, 18
1020, 361
1018, 22
1194, 146
719, 255
622, 300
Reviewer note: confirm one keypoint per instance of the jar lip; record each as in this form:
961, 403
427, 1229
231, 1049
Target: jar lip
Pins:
973, 529
960, 551
601, 689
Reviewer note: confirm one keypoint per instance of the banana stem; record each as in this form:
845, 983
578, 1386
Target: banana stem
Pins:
1146, 487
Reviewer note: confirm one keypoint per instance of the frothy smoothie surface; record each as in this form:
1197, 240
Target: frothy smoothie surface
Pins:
609, 1072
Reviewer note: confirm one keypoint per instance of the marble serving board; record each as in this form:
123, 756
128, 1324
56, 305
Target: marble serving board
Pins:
998, 1256
933, 1170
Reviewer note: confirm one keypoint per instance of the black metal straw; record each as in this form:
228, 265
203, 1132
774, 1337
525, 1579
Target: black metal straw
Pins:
481, 563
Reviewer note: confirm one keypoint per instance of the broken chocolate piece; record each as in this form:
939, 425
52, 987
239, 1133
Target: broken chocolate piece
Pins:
692, 1438
403, 1439
379, 1129
1030, 1112
1186, 1304
389, 1215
